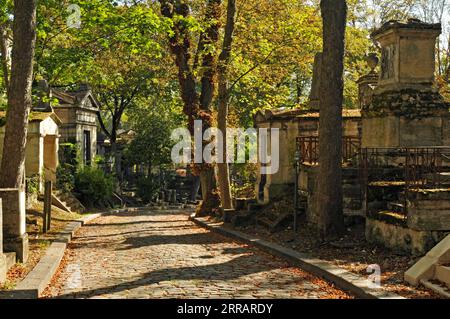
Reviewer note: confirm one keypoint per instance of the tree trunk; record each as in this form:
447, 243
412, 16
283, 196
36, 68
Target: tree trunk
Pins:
196, 107
210, 38
20, 95
329, 190
223, 172
5, 58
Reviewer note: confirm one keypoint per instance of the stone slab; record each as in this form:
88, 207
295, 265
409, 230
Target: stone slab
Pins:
442, 274
424, 269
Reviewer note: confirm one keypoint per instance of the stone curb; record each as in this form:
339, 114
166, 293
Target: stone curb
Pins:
37, 280
343, 279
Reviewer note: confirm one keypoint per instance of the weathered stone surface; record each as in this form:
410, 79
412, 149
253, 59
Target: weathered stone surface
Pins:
429, 215
15, 238
41, 152
442, 273
401, 239
13, 201
405, 109
292, 124
408, 57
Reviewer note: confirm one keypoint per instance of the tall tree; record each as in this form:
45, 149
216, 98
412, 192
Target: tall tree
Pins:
223, 172
5, 31
196, 106
329, 188
20, 95
115, 49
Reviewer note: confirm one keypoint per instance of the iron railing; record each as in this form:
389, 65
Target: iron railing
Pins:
404, 168
418, 167
308, 147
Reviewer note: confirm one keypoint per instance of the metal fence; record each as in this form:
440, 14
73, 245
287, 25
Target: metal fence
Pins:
308, 147
419, 167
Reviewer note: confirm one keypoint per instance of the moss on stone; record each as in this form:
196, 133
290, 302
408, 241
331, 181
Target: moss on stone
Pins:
409, 103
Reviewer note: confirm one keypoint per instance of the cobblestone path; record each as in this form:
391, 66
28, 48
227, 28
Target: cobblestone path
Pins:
164, 255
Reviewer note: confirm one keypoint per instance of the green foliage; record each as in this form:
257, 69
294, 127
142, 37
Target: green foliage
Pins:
65, 178
152, 144
147, 188
69, 153
32, 185
69, 162
92, 185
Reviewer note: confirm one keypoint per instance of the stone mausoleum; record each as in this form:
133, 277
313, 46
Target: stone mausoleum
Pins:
41, 157
78, 111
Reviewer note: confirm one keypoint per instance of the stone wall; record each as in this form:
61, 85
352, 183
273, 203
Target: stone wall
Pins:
393, 131
37, 154
430, 211
401, 239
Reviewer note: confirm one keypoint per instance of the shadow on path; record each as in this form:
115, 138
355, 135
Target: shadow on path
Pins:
232, 269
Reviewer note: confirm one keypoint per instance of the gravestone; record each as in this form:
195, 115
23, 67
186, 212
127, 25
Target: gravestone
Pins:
314, 97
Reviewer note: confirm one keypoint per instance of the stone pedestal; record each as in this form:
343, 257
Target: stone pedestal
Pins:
2, 257
405, 109
15, 238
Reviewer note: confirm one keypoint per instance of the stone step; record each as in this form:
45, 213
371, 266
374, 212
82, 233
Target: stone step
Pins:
442, 273
440, 289
10, 260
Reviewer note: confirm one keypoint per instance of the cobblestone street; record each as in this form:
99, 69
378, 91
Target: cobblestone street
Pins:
164, 255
